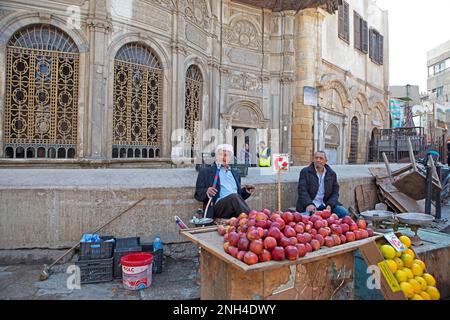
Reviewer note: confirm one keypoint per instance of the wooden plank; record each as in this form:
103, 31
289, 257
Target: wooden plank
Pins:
245, 286
393, 203
213, 243
402, 201
386, 162
279, 280
214, 277
366, 197
381, 173
402, 170
199, 229
413, 184
326, 279
378, 172
411, 155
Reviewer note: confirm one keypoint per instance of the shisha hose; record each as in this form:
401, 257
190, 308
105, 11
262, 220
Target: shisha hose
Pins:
216, 179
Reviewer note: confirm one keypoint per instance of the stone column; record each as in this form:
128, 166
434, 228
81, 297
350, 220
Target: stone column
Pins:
320, 125
287, 80
345, 138
99, 27
224, 73
179, 53
307, 57
214, 116
317, 117
214, 67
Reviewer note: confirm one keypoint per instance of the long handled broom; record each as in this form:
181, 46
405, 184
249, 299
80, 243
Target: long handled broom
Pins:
45, 273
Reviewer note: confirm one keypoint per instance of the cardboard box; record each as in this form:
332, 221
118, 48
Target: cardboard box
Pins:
373, 257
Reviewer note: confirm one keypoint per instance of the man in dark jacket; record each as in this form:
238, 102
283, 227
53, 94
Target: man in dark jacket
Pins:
318, 188
223, 186
448, 152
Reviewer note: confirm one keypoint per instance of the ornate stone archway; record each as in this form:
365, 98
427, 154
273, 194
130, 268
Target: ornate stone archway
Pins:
328, 83
364, 103
243, 120
245, 114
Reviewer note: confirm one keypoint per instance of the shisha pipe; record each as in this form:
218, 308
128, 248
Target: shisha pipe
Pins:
216, 178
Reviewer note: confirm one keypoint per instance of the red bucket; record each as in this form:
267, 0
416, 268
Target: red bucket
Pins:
137, 270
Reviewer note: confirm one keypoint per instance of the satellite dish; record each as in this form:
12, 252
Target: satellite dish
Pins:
418, 107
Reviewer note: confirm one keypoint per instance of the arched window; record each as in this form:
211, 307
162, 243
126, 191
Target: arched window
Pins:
354, 141
137, 120
373, 145
193, 100
41, 92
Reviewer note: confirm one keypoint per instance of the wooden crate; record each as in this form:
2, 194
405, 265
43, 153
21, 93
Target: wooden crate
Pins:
324, 274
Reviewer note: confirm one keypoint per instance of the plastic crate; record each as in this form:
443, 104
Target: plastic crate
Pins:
96, 250
94, 271
118, 254
157, 257
125, 243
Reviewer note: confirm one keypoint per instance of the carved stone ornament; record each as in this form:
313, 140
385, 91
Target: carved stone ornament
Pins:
245, 81
197, 12
166, 3
245, 114
243, 33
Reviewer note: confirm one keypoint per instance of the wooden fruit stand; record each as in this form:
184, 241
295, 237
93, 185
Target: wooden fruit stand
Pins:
324, 274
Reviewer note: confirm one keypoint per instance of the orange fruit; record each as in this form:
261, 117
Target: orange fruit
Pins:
434, 293
387, 251
405, 240
429, 279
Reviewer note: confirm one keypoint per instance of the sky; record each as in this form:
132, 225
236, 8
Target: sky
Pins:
415, 27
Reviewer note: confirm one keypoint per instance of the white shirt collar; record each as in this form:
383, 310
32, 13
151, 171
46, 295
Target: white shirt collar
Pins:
323, 174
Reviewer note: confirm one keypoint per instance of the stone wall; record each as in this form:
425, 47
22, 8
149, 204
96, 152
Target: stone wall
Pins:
39, 214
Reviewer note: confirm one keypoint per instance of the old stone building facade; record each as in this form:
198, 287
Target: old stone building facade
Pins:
112, 82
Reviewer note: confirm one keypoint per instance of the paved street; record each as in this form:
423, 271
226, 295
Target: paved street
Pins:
178, 281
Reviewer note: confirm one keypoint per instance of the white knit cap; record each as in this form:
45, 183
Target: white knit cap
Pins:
225, 147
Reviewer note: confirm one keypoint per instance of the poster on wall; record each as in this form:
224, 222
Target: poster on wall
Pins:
396, 110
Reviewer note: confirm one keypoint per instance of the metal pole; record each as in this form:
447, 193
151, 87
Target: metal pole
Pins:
279, 190
438, 196
429, 184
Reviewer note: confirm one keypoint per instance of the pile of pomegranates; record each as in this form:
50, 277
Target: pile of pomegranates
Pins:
261, 236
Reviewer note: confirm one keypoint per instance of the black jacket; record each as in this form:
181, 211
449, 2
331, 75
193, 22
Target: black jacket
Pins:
308, 186
205, 180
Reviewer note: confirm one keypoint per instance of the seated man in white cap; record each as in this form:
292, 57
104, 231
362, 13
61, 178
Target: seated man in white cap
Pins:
223, 185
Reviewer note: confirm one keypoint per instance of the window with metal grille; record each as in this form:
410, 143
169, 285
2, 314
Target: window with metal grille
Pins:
354, 141
41, 106
193, 103
137, 120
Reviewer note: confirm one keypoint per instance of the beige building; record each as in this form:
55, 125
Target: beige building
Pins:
438, 98
112, 82
353, 80
438, 83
